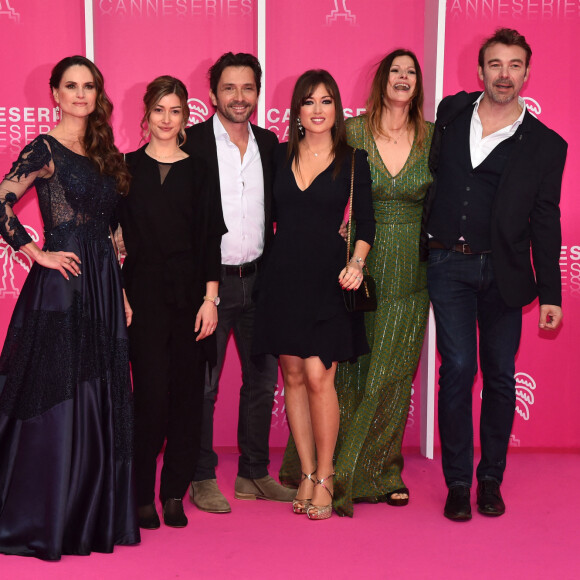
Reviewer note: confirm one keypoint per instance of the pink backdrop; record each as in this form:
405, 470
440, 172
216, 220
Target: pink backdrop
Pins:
139, 40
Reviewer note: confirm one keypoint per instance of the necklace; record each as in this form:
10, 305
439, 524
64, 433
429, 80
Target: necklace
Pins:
317, 154
157, 156
402, 131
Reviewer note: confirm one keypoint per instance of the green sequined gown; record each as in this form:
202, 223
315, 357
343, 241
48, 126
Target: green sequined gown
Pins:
374, 394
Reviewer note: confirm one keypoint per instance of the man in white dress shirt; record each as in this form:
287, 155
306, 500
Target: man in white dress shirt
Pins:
239, 156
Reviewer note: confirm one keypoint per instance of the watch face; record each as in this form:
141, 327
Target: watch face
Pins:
217, 300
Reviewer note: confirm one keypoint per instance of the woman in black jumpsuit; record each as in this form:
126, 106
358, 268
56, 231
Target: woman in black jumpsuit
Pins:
171, 227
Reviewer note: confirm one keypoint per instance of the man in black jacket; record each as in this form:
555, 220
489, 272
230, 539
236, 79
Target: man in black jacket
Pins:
498, 174
238, 155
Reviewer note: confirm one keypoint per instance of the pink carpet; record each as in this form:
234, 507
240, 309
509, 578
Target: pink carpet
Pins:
537, 538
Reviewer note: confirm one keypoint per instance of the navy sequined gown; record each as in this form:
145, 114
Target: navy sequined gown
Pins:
65, 396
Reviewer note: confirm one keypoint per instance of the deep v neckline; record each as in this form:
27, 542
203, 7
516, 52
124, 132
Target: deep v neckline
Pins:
383, 161
312, 182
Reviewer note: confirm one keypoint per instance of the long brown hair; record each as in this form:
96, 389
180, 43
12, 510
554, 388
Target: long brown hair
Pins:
156, 90
375, 102
303, 89
98, 140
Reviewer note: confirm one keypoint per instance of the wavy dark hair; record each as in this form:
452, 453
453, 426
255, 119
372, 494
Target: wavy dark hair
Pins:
240, 59
156, 90
303, 89
375, 103
98, 141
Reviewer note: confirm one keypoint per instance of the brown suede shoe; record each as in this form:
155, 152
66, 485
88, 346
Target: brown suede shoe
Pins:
207, 497
262, 488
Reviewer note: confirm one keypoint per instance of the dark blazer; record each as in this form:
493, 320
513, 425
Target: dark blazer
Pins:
525, 210
201, 143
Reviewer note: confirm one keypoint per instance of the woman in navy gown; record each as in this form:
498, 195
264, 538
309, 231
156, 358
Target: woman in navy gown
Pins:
65, 392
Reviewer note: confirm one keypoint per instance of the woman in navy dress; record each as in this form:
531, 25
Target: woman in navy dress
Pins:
65, 392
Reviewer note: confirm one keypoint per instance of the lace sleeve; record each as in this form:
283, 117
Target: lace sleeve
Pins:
34, 161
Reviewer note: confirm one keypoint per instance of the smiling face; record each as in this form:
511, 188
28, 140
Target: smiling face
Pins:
76, 94
166, 118
503, 73
402, 80
237, 95
318, 111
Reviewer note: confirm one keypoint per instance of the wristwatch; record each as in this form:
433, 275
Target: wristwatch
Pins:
215, 299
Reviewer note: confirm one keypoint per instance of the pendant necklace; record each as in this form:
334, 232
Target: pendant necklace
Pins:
401, 132
315, 154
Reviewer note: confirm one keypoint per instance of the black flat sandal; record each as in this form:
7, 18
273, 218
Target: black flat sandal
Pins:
398, 501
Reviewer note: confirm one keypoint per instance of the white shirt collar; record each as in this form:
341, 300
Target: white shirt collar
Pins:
221, 133
516, 123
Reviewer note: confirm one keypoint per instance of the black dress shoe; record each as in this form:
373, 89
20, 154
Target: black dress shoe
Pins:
173, 514
147, 517
489, 500
458, 506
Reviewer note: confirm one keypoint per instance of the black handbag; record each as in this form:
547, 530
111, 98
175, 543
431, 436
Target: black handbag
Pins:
364, 299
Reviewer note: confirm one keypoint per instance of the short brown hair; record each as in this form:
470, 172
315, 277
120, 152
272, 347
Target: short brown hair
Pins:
240, 59
509, 37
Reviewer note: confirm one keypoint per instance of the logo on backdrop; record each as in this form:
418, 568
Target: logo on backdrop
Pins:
411, 415
502, 9
533, 106
279, 419
340, 13
570, 269
525, 387
6, 10
20, 125
198, 112
10, 258
189, 8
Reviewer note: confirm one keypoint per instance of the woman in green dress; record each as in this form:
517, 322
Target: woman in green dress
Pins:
374, 393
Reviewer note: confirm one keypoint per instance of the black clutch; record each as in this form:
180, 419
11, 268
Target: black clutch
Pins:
364, 299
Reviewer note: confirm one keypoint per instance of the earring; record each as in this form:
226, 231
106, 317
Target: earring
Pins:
57, 113
300, 127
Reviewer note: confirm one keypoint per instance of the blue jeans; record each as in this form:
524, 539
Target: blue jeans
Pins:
259, 379
465, 296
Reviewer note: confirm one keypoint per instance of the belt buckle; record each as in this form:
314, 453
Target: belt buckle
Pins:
466, 249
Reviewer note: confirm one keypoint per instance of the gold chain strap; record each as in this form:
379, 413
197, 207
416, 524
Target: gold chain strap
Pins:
350, 210
350, 214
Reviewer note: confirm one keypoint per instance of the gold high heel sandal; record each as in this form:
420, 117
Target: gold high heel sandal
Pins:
321, 512
300, 506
